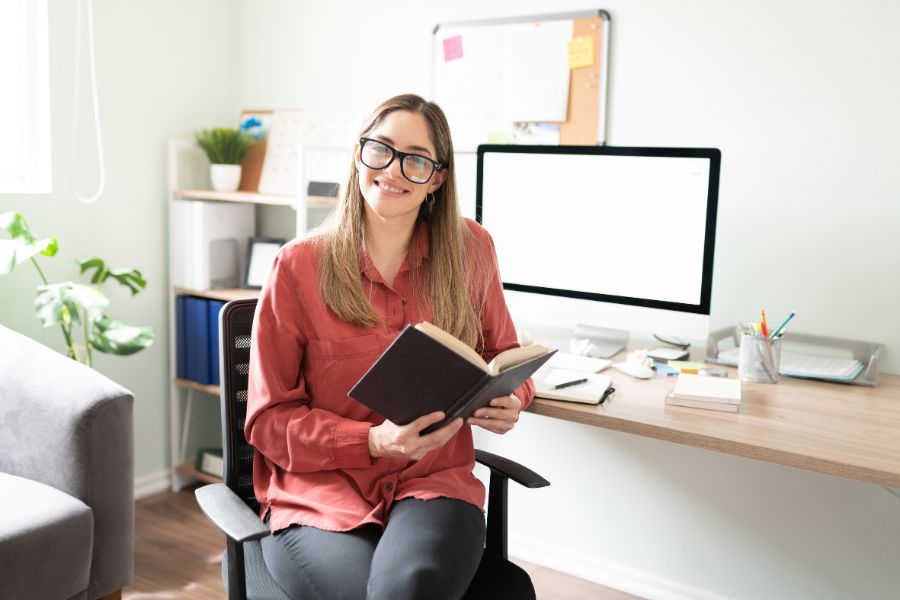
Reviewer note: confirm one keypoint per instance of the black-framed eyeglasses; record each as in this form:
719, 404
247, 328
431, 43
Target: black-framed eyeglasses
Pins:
415, 167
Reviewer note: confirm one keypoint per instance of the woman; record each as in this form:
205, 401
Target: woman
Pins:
362, 507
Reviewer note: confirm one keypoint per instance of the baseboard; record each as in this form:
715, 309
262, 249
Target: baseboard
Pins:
152, 483
607, 573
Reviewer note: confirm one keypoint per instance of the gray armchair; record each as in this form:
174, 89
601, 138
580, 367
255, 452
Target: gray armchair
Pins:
66, 477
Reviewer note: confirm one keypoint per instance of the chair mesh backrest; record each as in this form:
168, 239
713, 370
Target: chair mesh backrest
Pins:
235, 323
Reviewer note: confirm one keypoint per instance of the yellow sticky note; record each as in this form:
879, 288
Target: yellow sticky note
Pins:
581, 52
497, 137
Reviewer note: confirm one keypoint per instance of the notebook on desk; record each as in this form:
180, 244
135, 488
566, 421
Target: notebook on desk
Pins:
590, 392
713, 393
575, 362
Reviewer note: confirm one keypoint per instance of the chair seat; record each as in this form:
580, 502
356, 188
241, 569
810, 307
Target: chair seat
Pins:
260, 585
42, 527
495, 579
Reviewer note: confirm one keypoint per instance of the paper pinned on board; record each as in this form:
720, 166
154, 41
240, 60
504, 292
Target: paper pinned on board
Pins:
453, 48
536, 72
497, 137
581, 52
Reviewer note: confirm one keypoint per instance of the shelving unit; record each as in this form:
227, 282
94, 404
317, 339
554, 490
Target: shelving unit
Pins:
188, 182
253, 198
225, 294
187, 470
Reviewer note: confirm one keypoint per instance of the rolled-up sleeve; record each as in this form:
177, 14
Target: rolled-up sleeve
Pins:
497, 325
280, 423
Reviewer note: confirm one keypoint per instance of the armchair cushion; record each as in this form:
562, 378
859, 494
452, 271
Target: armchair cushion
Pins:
42, 528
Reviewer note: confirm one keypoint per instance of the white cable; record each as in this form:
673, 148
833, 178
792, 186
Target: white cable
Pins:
101, 162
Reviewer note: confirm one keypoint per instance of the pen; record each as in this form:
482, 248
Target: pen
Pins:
762, 324
569, 383
785, 322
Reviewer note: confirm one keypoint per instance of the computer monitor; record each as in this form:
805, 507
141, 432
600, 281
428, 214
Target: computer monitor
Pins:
605, 236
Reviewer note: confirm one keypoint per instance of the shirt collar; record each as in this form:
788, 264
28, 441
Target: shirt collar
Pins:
418, 246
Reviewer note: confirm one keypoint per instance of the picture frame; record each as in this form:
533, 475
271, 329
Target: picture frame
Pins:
261, 253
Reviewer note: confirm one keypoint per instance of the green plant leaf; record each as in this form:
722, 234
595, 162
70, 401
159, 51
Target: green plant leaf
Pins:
15, 225
128, 277
224, 145
114, 337
8, 255
16, 251
94, 263
62, 303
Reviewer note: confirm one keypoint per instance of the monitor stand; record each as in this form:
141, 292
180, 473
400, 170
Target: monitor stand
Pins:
605, 341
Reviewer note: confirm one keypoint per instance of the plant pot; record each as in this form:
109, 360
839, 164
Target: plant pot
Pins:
225, 178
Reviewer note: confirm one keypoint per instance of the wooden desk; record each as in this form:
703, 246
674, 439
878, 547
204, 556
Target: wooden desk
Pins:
845, 430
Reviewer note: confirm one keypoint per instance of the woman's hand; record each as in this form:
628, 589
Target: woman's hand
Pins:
499, 416
403, 441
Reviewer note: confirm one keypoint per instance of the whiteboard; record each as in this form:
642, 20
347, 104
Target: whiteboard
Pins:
490, 76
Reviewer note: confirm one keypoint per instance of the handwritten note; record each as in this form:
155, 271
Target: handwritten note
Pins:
453, 48
581, 52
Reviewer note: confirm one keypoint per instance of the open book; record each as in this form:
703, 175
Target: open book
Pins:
426, 369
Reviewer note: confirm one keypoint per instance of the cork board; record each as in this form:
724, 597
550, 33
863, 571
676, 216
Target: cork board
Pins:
470, 62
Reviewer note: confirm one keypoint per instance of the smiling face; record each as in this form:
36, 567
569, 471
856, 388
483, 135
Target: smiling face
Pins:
389, 196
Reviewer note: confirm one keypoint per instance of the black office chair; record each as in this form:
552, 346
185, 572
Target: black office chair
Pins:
233, 507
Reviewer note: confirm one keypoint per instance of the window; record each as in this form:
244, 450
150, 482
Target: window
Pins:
25, 100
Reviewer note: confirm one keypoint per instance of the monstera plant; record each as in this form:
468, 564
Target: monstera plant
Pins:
77, 308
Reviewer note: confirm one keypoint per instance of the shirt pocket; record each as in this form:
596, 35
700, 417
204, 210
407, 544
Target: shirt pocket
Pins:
346, 348
334, 366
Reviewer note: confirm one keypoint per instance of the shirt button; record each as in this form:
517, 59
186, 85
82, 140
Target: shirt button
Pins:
403, 301
389, 487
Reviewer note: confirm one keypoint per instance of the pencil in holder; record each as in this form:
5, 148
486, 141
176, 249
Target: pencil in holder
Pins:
760, 359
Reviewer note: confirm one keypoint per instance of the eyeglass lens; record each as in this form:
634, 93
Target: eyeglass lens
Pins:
376, 155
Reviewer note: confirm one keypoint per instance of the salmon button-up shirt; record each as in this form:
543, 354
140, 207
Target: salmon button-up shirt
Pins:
312, 465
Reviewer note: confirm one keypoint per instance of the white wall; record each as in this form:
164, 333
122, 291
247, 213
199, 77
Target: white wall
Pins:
801, 98
164, 69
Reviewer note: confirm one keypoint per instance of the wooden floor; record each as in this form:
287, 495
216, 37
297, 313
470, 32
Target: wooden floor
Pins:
178, 555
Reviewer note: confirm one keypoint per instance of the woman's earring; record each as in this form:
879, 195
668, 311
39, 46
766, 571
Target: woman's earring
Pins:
429, 201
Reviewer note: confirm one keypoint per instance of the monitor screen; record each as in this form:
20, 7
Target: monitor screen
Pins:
632, 226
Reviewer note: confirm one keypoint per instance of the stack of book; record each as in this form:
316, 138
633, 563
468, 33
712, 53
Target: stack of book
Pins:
197, 339
699, 391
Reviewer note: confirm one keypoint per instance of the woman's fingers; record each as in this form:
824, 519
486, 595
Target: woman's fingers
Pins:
425, 420
499, 416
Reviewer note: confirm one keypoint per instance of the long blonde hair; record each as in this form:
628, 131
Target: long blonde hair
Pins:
454, 293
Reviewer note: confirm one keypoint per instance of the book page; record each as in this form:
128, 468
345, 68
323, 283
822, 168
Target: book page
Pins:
453, 343
516, 356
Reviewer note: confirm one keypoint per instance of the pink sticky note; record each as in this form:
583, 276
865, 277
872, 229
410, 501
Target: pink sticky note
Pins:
453, 48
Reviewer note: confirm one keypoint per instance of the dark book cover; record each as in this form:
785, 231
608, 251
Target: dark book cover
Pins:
196, 339
417, 375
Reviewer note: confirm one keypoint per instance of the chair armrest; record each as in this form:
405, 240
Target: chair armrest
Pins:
229, 513
511, 469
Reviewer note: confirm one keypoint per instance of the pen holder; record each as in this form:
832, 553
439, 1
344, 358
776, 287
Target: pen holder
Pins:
760, 359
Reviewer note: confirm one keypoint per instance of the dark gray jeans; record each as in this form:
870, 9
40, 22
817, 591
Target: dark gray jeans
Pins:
428, 549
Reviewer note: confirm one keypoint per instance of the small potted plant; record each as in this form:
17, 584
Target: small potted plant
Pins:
225, 148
